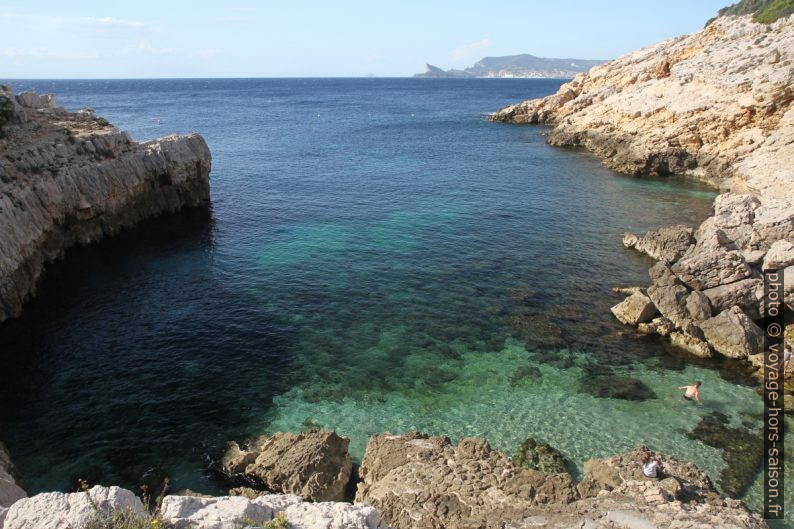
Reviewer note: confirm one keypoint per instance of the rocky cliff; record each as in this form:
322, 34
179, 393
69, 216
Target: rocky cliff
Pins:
68, 178
716, 105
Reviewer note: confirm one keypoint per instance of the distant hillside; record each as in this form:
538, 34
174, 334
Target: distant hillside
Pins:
764, 11
523, 65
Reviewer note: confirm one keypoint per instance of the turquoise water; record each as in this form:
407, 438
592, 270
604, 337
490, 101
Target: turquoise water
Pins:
378, 257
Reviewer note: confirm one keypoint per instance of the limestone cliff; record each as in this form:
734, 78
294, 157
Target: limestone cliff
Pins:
716, 105
69, 178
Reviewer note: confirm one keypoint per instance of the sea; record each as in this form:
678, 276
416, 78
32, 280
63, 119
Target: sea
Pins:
377, 256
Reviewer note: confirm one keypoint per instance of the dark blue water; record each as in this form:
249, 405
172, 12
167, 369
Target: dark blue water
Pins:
378, 256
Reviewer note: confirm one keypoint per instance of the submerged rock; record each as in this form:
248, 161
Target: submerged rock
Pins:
314, 465
742, 451
605, 384
537, 455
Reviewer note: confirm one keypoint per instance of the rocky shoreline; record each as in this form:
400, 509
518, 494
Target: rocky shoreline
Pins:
70, 178
409, 481
715, 105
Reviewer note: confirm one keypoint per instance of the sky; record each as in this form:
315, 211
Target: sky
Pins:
236, 38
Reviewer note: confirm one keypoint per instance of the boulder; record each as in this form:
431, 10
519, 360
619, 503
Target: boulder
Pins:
419, 481
537, 455
234, 512
635, 309
734, 215
707, 269
698, 306
665, 244
58, 510
314, 465
780, 255
733, 333
747, 294
10, 491
670, 300
774, 220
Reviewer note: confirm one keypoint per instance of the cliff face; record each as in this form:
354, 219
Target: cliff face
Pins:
69, 178
716, 105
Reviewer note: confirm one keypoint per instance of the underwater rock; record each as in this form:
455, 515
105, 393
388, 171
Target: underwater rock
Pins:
525, 374
742, 451
536, 330
605, 384
537, 455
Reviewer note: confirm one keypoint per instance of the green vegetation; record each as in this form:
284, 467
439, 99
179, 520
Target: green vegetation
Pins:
764, 11
279, 522
124, 519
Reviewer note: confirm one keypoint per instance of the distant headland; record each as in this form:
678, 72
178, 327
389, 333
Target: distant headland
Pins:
523, 65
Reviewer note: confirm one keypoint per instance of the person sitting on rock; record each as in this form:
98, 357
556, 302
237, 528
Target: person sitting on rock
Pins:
692, 392
651, 466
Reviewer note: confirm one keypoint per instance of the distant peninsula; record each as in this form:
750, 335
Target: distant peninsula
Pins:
524, 65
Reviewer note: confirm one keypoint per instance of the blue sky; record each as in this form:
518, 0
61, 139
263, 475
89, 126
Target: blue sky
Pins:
106, 39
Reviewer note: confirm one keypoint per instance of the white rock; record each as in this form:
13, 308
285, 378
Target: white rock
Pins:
58, 510
228, 512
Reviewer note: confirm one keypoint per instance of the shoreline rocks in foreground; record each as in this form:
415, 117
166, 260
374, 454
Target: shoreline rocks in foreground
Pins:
715, 105
70, 178
415, 480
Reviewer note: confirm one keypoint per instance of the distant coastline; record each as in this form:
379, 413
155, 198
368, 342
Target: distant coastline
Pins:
523, 66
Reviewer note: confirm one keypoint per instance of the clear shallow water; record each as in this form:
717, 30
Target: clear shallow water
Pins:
378, 257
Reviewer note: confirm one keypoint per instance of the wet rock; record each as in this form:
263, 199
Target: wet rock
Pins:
666, 244
628, 291
635, 309
780, 255
537, 455
58, 510
732, 333
314, 465
747, 294
742, 451
708, 269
